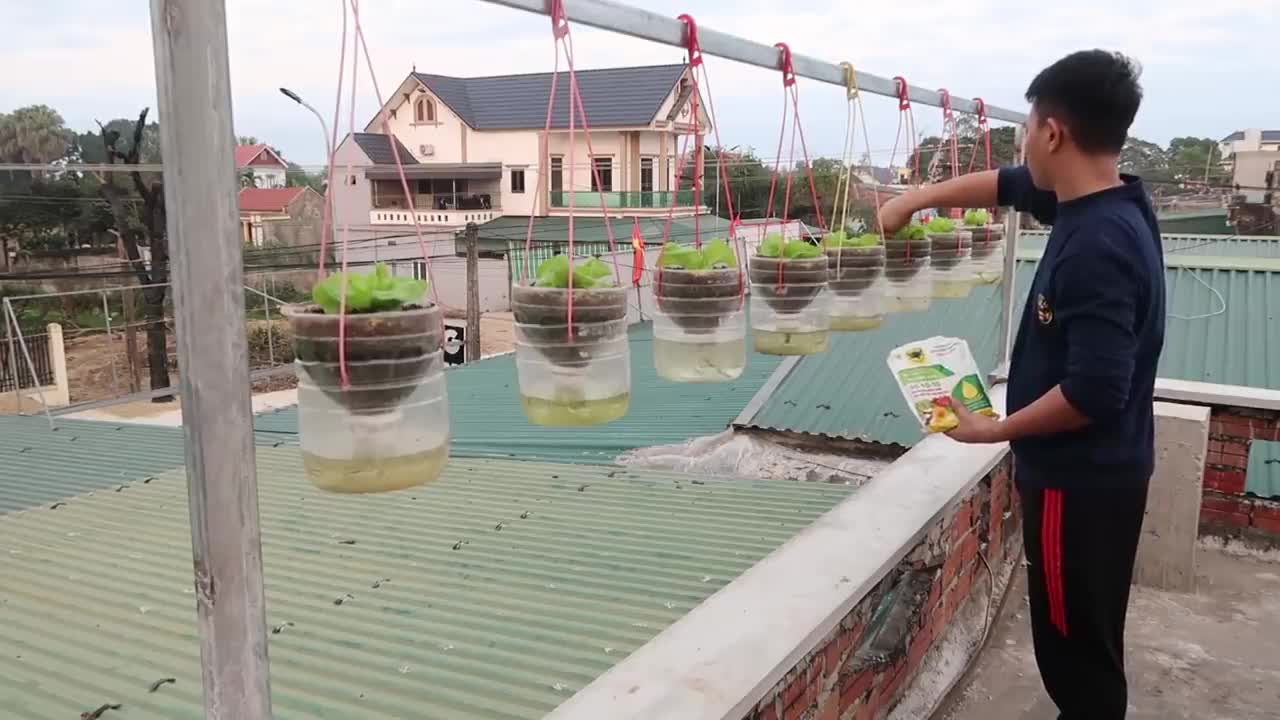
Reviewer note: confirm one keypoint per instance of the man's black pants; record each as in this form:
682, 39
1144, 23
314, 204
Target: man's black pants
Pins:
1080, 547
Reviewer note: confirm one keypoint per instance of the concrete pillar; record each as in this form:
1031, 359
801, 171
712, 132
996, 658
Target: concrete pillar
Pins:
1167, 550
61, 394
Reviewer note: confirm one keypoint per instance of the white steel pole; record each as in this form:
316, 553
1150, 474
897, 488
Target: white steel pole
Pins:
668, 30
196, 141
1009, 290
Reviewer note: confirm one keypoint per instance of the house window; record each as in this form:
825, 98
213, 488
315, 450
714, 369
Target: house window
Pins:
646, 174
419, 270
557, 174
517, 180
602, 178
424, 110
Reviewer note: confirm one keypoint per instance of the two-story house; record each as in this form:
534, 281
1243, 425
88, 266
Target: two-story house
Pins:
474, 150
260, 166
1250, 140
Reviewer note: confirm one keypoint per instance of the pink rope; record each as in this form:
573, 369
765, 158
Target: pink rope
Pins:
326, 224
344, 377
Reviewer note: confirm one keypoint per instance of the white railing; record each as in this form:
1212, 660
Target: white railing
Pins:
449, 218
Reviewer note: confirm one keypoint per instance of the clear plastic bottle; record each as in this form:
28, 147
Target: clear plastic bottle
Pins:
856, 280
908, 282
700, 327
387, 427
951, 264
578, 377
790, 305
988, 254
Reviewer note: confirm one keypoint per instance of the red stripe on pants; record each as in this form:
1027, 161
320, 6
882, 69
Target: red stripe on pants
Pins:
1051, 557
1059, 584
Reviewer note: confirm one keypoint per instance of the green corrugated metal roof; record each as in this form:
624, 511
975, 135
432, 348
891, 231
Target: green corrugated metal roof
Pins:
1236, 345
1263, 477
97, 599
40, 466
1175, 244
487, 421
513, 229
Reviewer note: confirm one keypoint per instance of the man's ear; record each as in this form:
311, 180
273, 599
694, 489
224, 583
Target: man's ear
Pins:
1055, 134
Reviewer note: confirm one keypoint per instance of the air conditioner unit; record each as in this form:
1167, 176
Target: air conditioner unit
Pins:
426, 150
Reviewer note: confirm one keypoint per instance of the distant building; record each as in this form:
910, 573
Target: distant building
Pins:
262, 164
1250, 140
473, 150
281, 216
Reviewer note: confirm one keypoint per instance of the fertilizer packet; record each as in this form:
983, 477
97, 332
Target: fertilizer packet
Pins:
940, 367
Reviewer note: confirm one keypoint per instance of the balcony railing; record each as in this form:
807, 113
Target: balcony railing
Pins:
622, 200
446, 218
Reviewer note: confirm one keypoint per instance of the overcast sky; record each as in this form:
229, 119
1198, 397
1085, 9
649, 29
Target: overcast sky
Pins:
1209, 65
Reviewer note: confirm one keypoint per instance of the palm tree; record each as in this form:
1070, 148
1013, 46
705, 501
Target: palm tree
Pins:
33, 134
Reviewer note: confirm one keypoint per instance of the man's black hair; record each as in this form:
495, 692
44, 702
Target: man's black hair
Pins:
1095, 93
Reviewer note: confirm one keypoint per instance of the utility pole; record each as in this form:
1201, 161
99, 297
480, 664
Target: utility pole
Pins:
128, 300
196, 141
472, 352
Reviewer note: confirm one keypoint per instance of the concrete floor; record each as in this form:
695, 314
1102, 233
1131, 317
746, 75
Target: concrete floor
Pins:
1212, 655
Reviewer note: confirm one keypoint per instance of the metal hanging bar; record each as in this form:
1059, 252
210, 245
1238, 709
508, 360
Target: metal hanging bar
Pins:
647, 25
196, 141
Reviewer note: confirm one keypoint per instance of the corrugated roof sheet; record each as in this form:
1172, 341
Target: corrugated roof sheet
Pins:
1218, 246
487, 420
611, 97
378, 150
1233, 342
39, 466
1263, 477
560, 573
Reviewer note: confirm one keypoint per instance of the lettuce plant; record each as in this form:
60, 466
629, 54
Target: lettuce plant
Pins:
371, 292
976, 218
715, 255
941, 225
775, 247
592, 273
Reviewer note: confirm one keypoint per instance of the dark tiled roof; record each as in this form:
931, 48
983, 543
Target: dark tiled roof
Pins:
1267, 136
612, 97
375, 146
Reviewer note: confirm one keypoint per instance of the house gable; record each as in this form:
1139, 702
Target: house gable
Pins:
612, 97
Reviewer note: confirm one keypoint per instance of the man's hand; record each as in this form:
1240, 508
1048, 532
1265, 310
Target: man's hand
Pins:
896, 212
975, 428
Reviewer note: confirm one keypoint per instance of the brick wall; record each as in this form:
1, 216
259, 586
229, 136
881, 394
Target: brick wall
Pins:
1226, 509
857, 673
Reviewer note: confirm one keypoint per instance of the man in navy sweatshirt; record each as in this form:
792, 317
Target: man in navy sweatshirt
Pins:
1082, 373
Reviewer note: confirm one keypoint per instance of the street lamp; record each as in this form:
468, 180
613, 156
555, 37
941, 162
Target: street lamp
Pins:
323, 128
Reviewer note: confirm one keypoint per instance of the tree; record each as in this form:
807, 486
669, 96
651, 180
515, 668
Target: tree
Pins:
33, 134
88, 145
247, 140
136, 231
296, 176
248, 179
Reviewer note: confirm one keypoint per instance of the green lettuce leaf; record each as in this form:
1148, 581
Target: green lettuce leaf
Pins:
681, 257
376, 291
976, 217
799, 249
718, 255
772, 246
942, 225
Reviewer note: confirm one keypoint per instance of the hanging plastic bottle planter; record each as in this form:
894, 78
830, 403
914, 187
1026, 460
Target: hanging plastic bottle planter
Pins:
988, 246
373, 412
951, 250
574, 368
908, 284
855, 261
855, 276
700, 328
573, 364
790, 305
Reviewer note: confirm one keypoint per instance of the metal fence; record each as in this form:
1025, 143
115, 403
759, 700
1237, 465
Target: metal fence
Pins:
12, 361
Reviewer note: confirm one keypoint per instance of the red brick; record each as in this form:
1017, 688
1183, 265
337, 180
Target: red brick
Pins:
1271, 525
795, 711
962, 520
855, 687
770, 713
793, 691
1239, 449
1224, 518
831, 656
1227, 481
1224, 504
1270, 511
919, 646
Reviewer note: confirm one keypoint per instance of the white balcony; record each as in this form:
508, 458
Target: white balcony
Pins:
454, 218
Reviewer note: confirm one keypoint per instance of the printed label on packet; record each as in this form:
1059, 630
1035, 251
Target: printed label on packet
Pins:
939, 367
